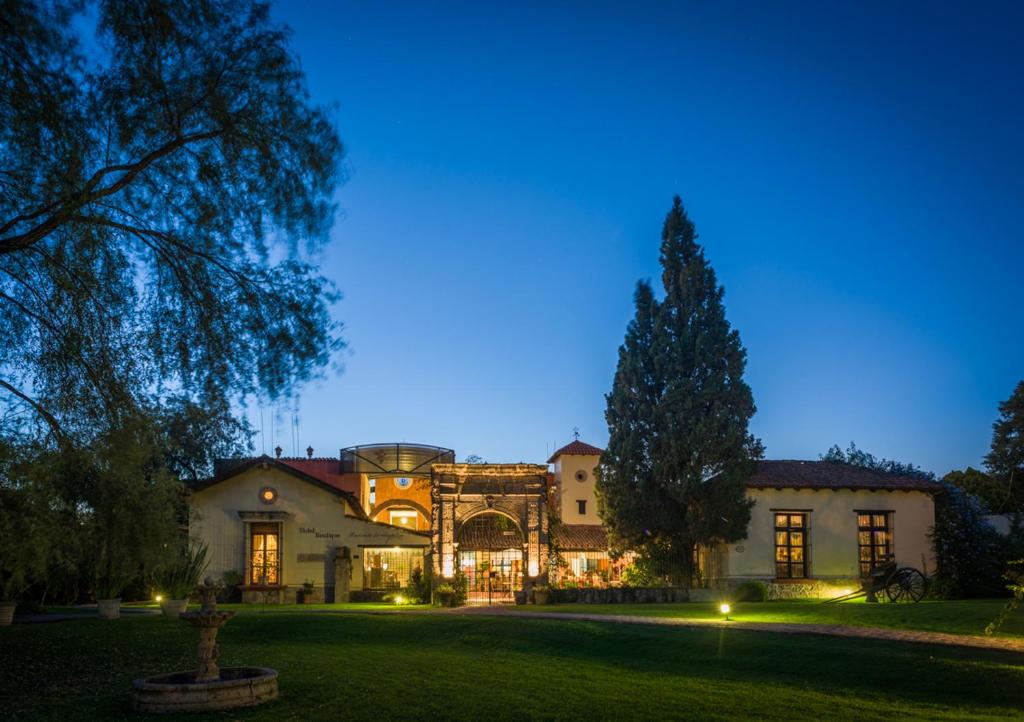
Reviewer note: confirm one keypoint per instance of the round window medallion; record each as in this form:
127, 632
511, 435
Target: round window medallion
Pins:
268, 495
403, 482
581, 475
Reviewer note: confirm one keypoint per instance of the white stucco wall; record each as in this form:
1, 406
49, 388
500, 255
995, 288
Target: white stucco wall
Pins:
317, 522
571, 491
833, 530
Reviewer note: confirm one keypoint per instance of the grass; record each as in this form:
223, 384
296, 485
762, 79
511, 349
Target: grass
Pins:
967, 616
410, 666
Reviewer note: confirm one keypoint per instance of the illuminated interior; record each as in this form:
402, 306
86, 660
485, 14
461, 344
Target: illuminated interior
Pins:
491, 557
264, 558
590, 569
390, 568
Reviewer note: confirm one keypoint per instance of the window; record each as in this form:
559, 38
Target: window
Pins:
403, 517
373, 492
390, 568
790, 545
874, 539
264, 555
582, 504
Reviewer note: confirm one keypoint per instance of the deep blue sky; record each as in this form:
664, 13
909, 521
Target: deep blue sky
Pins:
854, 170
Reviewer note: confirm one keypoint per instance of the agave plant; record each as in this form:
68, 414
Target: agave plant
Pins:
182, 576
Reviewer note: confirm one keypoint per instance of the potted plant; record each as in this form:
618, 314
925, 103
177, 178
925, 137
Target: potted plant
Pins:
308, 592
540, 594
108, 590
445, 595
181, 576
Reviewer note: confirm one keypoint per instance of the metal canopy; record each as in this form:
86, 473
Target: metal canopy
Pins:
394, 459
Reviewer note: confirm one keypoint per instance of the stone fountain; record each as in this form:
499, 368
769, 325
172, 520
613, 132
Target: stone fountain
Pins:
208, 687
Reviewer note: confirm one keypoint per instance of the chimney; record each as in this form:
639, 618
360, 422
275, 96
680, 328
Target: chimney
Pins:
309, 451
277, 450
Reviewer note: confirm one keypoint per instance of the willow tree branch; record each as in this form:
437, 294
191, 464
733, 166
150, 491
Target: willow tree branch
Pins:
49, 418
90, 193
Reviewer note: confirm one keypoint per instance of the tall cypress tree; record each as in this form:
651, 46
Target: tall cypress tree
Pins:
679, 449
1005, 460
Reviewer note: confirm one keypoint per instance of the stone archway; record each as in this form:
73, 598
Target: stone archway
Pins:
460, 492
489, 552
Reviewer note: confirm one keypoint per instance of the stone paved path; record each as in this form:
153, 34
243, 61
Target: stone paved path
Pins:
831, 630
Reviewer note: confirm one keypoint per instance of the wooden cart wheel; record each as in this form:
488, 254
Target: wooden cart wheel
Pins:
906, 585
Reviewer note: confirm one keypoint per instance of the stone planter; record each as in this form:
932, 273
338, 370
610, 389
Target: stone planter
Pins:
109, 608
173, 607
7, 613
540, 596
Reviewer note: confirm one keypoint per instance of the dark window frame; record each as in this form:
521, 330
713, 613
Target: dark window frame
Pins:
877, 553
264, 529
581, 507
784, 568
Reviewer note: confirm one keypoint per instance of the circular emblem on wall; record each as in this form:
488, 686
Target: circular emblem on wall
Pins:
268, 495
739, 548
581, 475
403, 482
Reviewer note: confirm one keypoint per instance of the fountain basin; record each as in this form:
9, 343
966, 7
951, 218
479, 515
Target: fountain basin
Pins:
180, 692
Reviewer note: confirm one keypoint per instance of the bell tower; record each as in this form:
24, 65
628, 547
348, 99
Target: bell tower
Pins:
574, 481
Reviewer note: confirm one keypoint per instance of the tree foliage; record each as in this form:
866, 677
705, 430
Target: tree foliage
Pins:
162, 176
977, 483
679, 450
970, 555
165, 186
1005, 459
859, 457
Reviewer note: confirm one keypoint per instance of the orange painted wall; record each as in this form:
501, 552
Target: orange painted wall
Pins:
388, 491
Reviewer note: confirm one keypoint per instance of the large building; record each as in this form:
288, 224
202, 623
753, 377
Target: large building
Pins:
368, 521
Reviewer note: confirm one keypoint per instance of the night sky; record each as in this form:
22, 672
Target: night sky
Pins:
854, 171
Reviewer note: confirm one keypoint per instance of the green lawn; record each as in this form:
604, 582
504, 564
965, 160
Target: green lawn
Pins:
413, 666
969, 616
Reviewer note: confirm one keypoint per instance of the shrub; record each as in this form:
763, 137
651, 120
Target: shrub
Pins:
419, 586
461, 586
182, 575
970, 555
641, 575
751, 592
229, 592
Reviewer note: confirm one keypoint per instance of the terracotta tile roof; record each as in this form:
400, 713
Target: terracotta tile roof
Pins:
576, 448
327, 470
480, 537
579, 537
830, 475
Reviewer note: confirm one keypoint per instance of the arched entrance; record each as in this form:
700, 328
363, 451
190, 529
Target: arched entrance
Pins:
517, 493
490, 553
